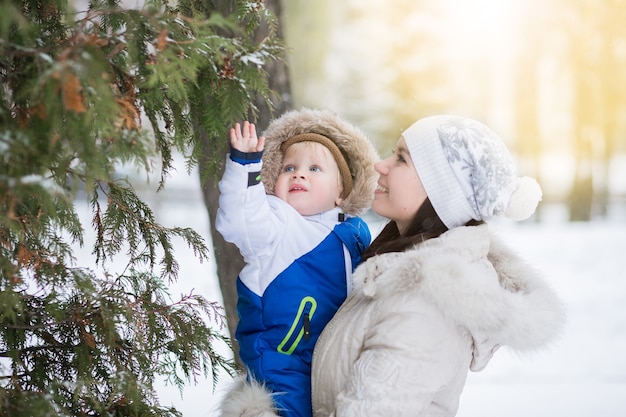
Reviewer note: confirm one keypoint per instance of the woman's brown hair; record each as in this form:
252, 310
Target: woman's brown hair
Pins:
425, 225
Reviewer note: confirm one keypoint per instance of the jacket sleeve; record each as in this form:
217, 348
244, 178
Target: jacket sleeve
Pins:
411, 358
244, 216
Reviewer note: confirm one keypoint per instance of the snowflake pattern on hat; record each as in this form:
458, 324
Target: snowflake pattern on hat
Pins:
467, 171
481, 163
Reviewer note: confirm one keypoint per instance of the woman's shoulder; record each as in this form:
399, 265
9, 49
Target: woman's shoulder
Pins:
467, 242
473, 279
444, 268
403, 273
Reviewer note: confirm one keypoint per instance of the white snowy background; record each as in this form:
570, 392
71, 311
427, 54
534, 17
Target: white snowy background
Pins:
581, 375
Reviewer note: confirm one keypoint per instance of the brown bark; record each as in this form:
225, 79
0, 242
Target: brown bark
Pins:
227, 257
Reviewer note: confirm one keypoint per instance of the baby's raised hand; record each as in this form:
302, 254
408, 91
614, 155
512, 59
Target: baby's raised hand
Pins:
245, 139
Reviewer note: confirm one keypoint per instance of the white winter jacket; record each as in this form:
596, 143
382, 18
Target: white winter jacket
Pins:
402, 344
417, 321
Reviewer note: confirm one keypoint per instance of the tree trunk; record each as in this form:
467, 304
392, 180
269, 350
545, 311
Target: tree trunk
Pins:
585, 106
528, 140
612, 97
227, 257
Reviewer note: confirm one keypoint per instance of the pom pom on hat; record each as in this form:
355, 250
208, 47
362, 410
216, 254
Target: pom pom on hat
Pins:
524, 199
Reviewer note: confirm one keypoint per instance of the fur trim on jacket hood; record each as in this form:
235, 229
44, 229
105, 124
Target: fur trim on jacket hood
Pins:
358, 151
497, 296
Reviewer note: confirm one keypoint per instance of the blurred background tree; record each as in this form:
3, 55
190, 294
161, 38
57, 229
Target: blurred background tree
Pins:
548, 76
84, 93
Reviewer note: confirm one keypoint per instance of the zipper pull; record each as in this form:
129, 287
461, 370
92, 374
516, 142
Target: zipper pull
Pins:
307, 326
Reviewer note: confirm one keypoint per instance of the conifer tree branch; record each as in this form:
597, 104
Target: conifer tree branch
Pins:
77, 91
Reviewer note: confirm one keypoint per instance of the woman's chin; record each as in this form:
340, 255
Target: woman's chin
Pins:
378, 207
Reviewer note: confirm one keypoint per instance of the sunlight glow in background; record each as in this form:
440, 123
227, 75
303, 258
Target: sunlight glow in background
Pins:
481, 21
548, 76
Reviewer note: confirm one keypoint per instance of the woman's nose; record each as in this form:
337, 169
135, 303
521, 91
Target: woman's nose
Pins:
380, 167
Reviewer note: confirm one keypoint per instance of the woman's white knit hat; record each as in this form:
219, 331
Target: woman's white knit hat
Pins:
467, 171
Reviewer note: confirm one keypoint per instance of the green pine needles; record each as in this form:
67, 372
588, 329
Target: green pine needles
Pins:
83, 93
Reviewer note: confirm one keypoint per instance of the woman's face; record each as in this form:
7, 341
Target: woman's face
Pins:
400, 192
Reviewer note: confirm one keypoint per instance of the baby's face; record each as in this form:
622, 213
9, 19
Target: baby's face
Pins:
309, 179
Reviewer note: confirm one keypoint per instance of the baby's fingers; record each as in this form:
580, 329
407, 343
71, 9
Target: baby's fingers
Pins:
260, 144
249, 130
235, 134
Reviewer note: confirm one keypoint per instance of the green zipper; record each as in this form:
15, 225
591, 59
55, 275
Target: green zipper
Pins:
305, 313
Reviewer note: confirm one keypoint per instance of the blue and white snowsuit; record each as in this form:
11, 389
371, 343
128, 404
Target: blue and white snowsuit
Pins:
296, 276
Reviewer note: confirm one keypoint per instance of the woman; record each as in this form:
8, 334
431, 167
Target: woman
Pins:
438, 293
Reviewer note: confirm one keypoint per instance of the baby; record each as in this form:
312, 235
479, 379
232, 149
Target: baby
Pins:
290, 201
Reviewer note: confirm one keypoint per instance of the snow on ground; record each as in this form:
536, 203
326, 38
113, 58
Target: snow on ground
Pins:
581, 375
584, 373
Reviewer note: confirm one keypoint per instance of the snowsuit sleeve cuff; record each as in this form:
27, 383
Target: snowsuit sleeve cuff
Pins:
245, 158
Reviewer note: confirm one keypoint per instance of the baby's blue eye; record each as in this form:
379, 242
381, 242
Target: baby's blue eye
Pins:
315, 169
289, 168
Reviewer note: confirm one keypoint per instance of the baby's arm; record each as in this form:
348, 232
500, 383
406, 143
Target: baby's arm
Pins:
245, 140
244, 216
